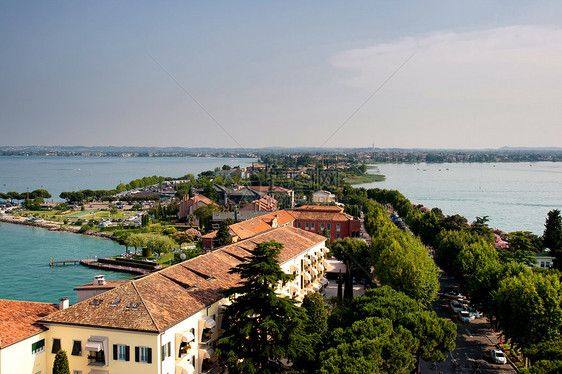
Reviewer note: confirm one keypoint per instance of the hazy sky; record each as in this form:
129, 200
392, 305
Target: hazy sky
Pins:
436, 74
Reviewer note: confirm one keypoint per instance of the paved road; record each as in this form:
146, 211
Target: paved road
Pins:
474, 343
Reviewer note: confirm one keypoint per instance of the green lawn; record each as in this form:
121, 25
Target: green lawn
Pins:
366, 178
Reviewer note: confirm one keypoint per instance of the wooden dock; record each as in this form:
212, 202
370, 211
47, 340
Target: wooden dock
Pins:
66, 262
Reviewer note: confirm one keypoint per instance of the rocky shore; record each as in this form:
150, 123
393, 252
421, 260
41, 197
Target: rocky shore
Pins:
53, 226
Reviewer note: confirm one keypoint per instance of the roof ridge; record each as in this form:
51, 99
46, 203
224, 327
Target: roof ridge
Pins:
145, 306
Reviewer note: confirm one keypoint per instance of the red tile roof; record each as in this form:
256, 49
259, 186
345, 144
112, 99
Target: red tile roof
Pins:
254, 226
266, 189
162, 299
108, 285
321, 213
18, 319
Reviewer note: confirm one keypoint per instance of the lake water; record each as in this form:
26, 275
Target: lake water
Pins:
515, 196
25, 273
58, 174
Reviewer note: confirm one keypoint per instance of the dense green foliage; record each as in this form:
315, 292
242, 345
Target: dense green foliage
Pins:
60, 365
384, 331
262, 328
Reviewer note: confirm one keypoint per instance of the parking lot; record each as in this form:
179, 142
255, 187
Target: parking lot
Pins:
475, 341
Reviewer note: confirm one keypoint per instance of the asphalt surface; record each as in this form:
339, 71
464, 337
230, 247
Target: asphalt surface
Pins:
474, 343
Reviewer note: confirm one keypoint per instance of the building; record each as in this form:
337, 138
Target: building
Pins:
284, 195
316, 218
188, 206
246, 229
265, 203
323, 197
165, 322
98, 286
22, 339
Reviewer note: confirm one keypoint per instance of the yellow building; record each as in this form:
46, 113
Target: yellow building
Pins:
167, 322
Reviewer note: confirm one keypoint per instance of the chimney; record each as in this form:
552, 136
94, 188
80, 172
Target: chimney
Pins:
63, 303
99, 280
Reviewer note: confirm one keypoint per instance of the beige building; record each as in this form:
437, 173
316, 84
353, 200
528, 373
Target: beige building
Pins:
166, 322
323, 197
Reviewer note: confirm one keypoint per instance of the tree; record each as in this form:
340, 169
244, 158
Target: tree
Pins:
315, 326
223, 234
13, 195
262, 328
60, 366
205, 214
340, 287
522, 246
535, 298
552, 236
160, 244
44, 194
136, 240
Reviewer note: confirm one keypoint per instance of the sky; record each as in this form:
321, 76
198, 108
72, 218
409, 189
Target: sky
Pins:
407, 74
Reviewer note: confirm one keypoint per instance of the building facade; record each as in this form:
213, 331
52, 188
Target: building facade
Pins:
167, 322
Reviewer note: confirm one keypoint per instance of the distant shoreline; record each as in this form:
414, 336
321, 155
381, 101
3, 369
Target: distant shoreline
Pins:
53, 226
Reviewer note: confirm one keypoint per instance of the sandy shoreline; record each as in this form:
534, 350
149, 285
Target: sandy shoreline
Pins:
53, 226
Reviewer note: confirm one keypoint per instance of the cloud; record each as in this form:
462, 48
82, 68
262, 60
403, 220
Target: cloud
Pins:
504, 82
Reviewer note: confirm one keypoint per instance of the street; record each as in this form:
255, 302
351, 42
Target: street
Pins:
474, 343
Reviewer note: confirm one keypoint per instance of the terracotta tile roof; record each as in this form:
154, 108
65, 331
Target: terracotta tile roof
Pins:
321, 213
108, 285
165, 298
18, 319
266, 189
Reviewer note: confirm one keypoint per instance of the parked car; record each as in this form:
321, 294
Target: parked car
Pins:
475, 313
464, 316
498, 357
456, 307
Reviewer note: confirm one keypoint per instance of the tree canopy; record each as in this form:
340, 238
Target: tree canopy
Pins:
262, 328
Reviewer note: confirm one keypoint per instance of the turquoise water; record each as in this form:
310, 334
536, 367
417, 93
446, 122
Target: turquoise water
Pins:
25, 273
515, 196
25, 251
58, 174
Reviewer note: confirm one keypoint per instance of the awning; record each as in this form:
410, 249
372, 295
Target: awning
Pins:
94, 371
306, 261
320, 267
325, 250
187, 337
206, 352
314, 272
184, 367
313, 257
307, 276
93, 346
208, 322
294, 269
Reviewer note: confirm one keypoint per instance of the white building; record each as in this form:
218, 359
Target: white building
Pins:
166, 322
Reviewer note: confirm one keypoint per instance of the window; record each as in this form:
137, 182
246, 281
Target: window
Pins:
38, 347
56, 345
143, 354
77, 348
306, 226
321, 226
329, 226
338, 227
77, 372
312, 226
121, 352
337, 236
166, 350
299, 225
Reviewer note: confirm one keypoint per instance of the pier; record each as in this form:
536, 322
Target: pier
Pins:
66, 262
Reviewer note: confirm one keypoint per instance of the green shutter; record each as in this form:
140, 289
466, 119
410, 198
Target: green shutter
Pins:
137, 354
127, 353
115, 352
169, 349
163, 352
149, 355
